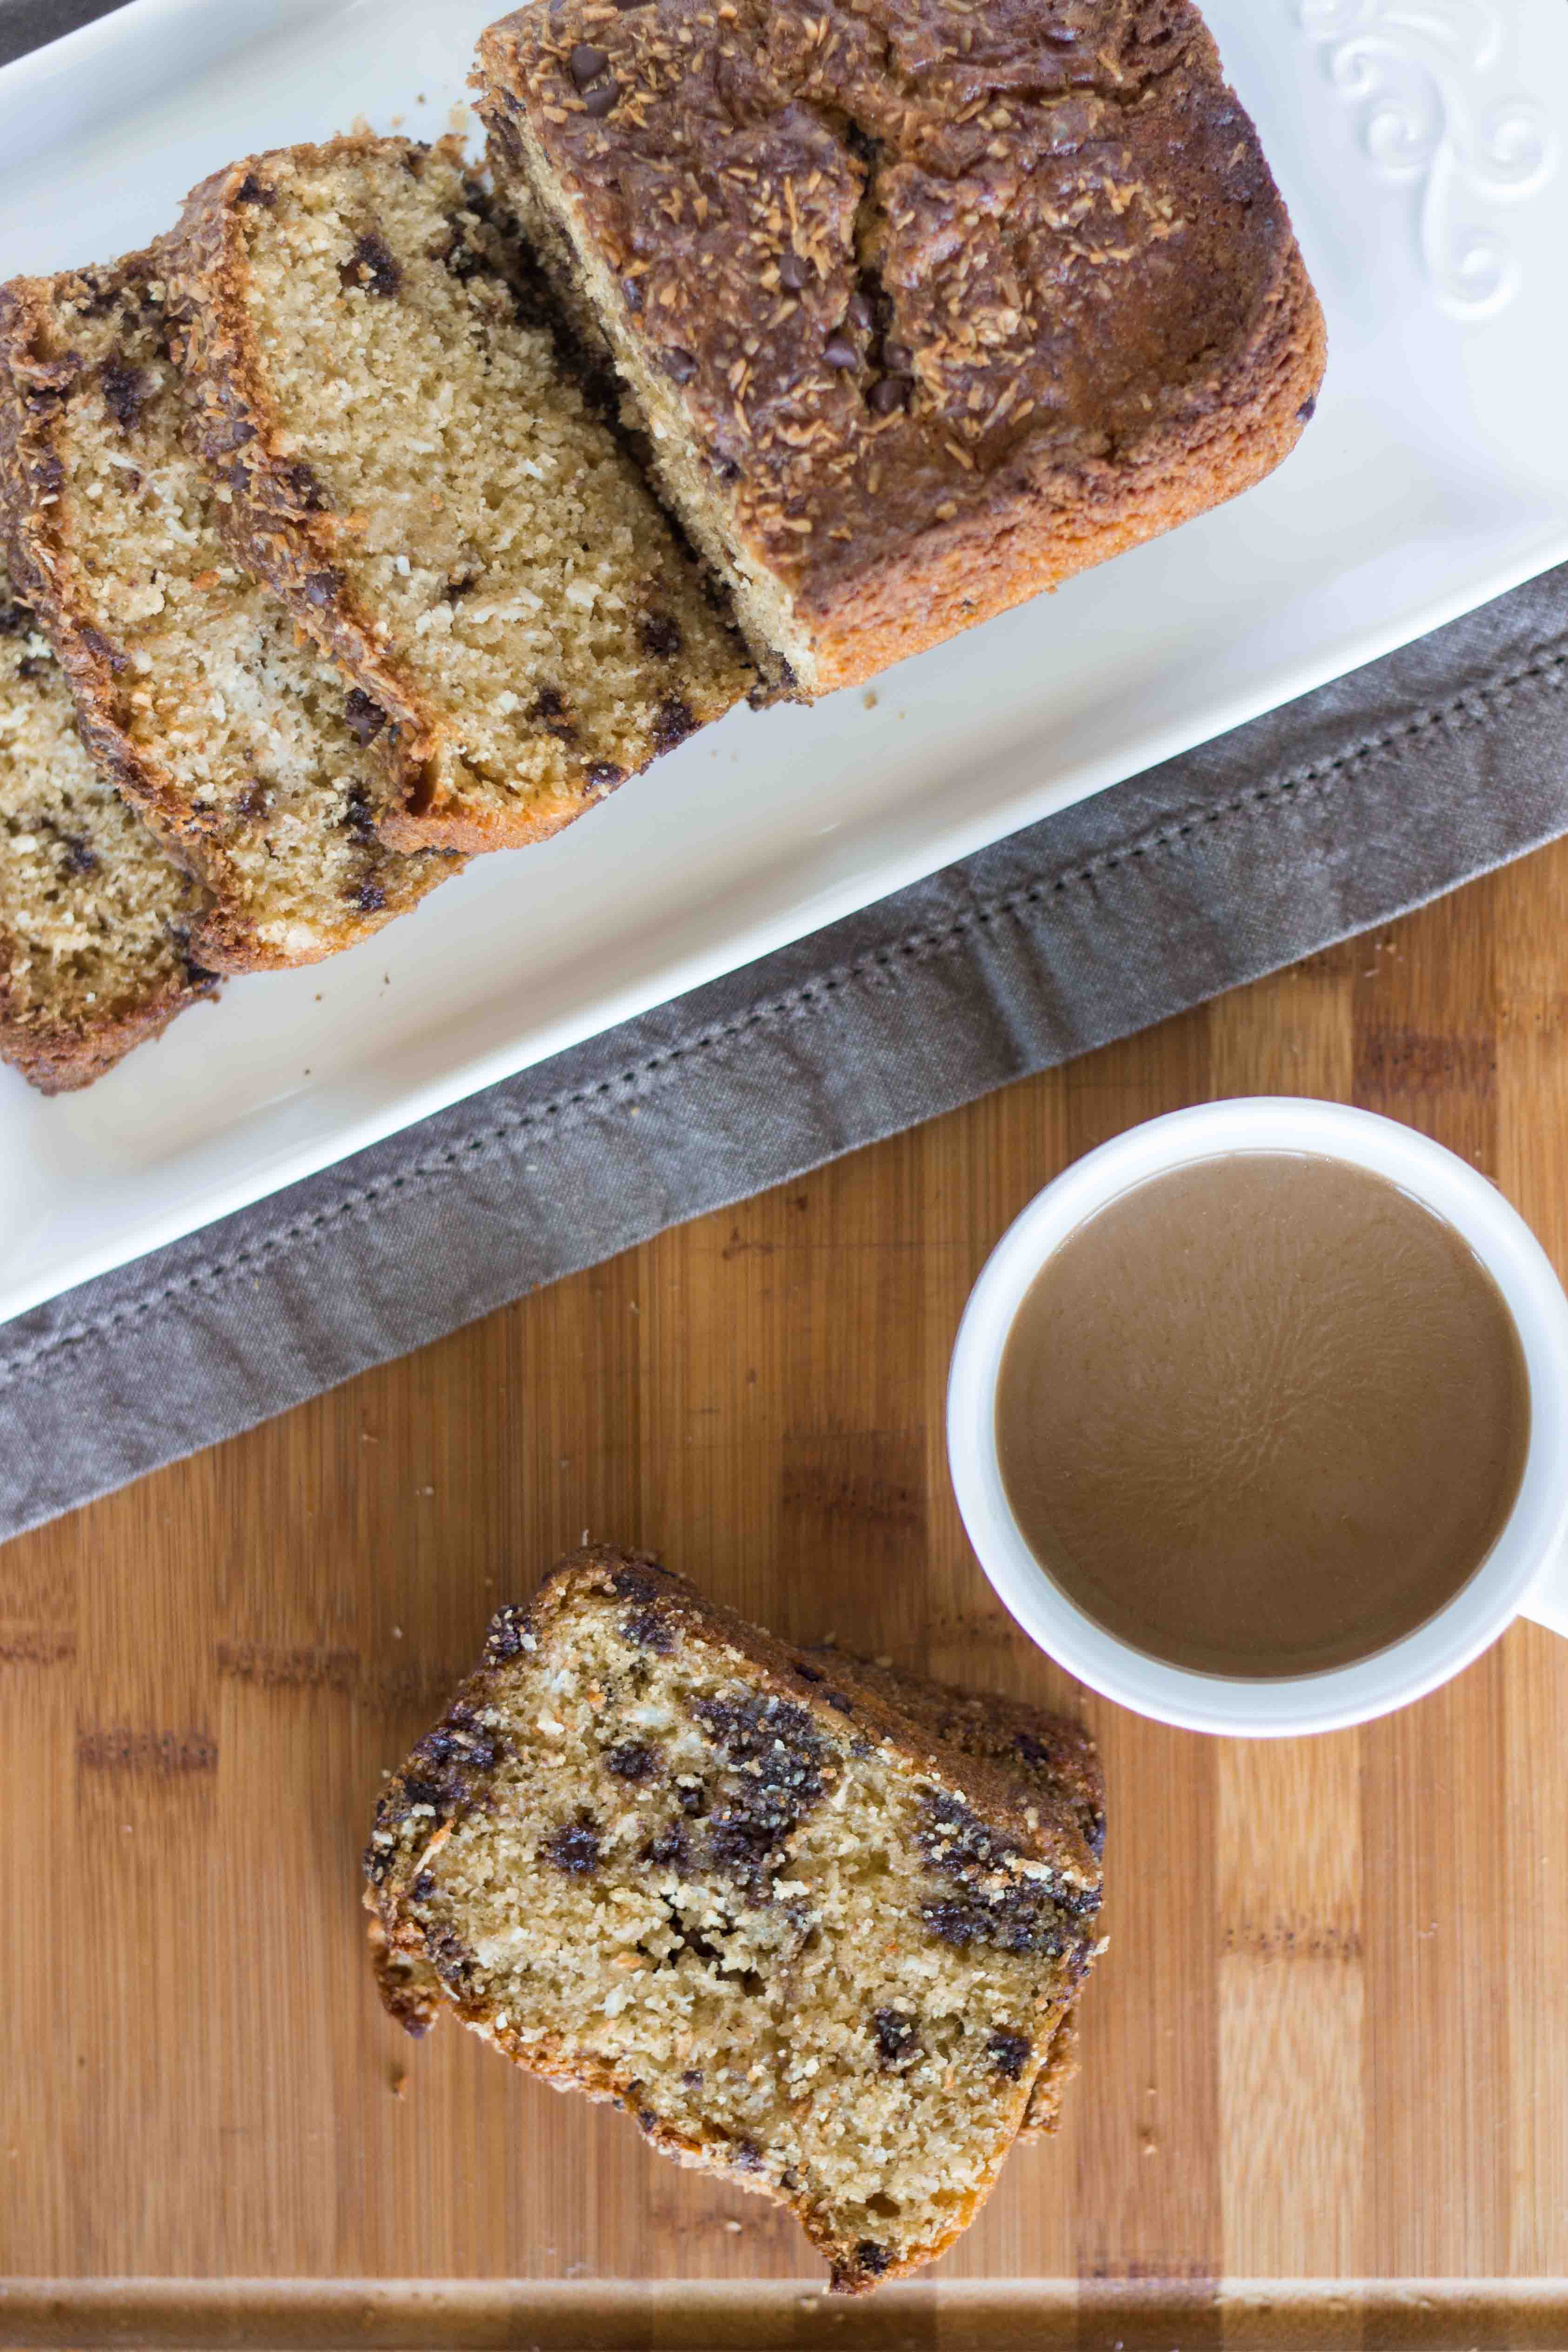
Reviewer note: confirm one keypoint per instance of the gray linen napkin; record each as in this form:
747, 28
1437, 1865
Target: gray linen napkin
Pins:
1325, 818
27, 23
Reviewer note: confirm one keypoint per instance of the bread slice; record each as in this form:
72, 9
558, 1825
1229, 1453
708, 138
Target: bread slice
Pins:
237, 742
95, 919
416, 471
818, 1928
926, 307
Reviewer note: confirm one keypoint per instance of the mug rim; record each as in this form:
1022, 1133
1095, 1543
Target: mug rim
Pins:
1332, 1698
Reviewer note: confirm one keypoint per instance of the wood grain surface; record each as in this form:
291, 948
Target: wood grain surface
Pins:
1324, 2095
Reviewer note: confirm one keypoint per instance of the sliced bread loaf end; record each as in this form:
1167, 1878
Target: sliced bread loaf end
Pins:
235, 740
95, 919
413, 465
928, 306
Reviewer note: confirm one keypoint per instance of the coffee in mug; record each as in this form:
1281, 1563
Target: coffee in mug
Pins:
1262, 1414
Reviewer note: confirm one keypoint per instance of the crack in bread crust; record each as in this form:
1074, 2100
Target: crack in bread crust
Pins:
929, 308
655, 1855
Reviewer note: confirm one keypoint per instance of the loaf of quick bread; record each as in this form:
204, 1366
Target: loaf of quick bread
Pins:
926, 306
379, 515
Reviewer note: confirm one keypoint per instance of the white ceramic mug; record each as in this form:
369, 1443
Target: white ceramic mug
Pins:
1526, 1571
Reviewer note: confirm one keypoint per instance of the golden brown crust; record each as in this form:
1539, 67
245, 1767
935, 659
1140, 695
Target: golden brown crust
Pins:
463, 832
947, 307
61, 1059
1032, 1779
1042, 2117
408, 1987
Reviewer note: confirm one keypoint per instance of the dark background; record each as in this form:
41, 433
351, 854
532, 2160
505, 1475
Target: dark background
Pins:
27, 24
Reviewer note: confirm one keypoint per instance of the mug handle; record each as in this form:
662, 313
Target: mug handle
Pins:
1546, 1602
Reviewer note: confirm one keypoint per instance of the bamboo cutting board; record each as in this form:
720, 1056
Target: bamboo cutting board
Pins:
1324, 2095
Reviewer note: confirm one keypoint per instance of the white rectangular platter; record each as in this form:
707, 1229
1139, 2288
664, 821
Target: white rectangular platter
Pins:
1420, 145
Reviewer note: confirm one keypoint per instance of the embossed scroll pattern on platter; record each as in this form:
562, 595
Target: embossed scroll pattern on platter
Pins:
1438, 111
